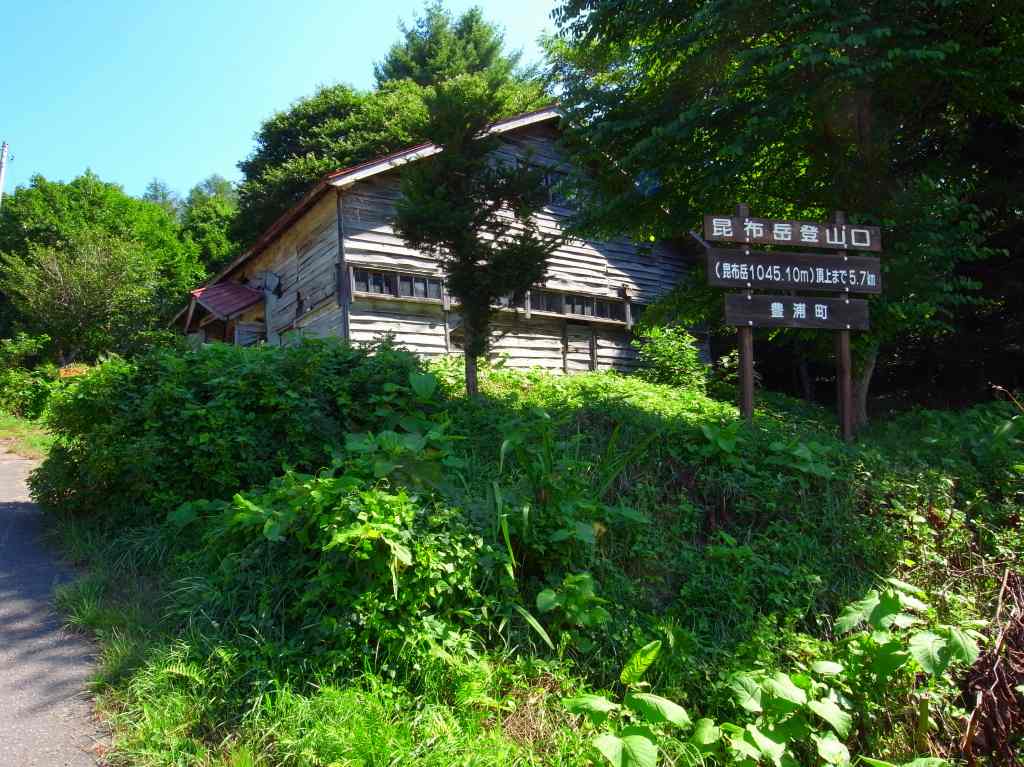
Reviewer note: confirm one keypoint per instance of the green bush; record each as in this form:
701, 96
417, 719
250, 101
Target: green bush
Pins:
670, 356
25, 393
338, 570
137, 438
25, 384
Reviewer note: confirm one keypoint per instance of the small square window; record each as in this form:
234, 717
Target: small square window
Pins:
362, 280
405, 285
575, 304
434, 289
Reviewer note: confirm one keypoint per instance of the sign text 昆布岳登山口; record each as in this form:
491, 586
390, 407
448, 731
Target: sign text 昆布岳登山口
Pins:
745, 309
806, 234
775, 270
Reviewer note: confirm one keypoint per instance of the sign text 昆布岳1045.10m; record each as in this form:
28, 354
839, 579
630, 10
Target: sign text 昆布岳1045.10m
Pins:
805, 234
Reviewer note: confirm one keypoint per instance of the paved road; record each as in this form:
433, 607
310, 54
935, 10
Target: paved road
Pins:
45, 718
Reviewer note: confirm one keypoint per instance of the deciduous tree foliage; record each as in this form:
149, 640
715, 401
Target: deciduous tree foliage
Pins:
207, 217
473, 213
53, 214
340, 126
336, 127
797, 109
91, 294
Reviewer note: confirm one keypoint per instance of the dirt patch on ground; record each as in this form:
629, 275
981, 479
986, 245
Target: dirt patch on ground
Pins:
537, 714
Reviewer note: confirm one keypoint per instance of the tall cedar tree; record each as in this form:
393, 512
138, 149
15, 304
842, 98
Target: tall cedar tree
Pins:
798, 109
474, 212
438, 47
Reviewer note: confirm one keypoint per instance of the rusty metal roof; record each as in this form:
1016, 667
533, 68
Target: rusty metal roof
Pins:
226, 299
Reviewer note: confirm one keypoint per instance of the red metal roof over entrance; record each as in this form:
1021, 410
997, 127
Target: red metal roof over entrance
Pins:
226, 299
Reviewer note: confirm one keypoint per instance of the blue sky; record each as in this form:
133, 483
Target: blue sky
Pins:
175, 90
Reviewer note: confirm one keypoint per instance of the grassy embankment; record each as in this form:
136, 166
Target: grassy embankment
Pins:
24, 438
372, 615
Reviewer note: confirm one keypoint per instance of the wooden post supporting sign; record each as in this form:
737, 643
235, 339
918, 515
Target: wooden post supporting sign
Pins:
844, 364
746, 350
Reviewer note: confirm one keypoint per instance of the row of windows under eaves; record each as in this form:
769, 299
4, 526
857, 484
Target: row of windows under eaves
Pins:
397, 284
402, 285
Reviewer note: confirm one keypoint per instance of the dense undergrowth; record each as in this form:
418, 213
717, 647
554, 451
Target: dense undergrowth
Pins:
321, 555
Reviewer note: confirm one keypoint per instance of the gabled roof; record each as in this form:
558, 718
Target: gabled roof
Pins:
345, 177
226, 299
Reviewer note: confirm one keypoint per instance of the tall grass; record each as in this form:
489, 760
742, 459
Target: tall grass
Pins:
737, 548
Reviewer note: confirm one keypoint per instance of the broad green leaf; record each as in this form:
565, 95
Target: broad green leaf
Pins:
745, 747
906, 588
888, 658
705, 733
781, 686
535, 626
590, 704
826, 668
639, 751
928, 761
637, 665
831, 749
877, 762
400, 552
547, 600
611, 748
629, 751
902, 620
910, 602
886, 612
857, 613
423, 385
930, 651
656, 709
831, 713
360, 443
961, 645
746, 692
183, 515
770, 749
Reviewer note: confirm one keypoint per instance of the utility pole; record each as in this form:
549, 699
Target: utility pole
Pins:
3, 169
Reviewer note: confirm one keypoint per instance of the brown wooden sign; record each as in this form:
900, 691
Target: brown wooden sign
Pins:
808, 234
777, 270
747, 310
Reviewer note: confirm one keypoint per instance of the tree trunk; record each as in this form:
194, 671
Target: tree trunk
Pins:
806, 382
472, 388
861, 385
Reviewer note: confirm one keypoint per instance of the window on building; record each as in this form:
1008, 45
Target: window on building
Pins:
546, 301
610, 309
577, 304
398, 284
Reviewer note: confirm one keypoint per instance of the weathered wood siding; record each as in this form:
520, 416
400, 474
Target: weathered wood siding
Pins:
588, 267
418, 327
304, 259
303, 263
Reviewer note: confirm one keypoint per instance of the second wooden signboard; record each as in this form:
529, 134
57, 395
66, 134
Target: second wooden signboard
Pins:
760, 311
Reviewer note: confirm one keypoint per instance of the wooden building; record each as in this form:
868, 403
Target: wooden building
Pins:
333, 266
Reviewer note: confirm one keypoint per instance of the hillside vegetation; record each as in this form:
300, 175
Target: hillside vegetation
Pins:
321, 555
